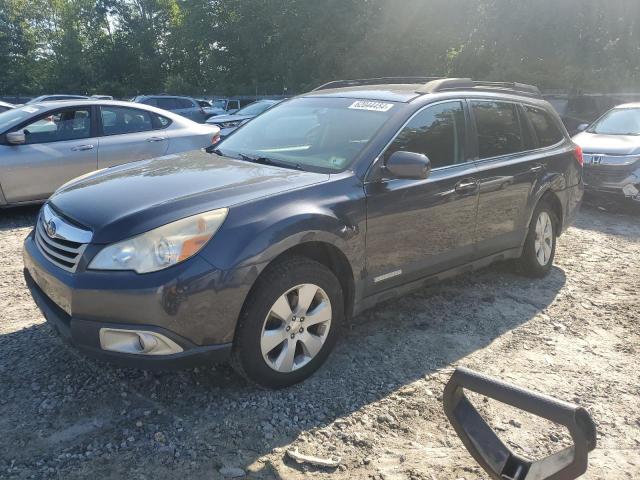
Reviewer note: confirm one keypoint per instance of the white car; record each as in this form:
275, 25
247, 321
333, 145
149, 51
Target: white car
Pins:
44, 145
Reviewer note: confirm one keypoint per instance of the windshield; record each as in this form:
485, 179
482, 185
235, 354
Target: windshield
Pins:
317, 134
622, 121
219, 103
255, 108
17, 115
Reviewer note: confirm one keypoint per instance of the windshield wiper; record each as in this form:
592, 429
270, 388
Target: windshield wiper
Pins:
269, 161
213, 149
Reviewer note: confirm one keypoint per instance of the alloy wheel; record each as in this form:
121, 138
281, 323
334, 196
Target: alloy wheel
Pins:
543, 243
296, 328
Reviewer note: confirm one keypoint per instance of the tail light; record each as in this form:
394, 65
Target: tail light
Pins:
577, 153
215, 139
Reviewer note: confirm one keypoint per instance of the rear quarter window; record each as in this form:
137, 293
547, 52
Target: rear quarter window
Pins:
546, 129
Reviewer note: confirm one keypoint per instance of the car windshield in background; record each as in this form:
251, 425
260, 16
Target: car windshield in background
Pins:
317, 134
255, 108
219, 103
15, 116
623, 121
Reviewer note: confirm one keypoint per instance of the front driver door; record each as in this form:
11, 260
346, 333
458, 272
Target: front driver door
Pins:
59, 146
421, 227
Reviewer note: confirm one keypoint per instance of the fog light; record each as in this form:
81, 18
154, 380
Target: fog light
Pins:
139, 342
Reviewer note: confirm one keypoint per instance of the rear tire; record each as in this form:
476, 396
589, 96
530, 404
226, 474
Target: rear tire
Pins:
540, 245
289, 323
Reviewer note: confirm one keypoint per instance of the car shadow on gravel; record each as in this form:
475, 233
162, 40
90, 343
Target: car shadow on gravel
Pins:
18, 217
73, 416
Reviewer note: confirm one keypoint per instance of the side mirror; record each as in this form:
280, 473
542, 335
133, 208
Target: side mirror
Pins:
408, 165
582, 127
16, 138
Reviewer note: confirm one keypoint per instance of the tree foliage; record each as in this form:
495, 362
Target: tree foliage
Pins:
124, 47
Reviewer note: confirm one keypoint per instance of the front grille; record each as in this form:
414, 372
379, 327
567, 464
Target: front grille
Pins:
63, 252
596, 175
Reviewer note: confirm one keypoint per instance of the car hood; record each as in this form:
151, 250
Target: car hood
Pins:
608, 144
119, 202
229, 118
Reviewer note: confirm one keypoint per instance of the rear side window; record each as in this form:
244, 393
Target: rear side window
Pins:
437, 132
119, 120
498, 127
546, 129
168, 103
184, 103
160, 121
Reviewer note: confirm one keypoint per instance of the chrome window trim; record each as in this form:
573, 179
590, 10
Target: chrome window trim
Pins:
476, 161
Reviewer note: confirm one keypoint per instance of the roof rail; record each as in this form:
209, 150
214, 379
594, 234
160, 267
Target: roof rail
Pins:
374, 81
448, 84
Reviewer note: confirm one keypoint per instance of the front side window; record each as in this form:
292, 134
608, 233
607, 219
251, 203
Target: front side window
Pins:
70, 124
119, 120
546, 129
316, 134
621, 121
437, 132
150, 101
498, 128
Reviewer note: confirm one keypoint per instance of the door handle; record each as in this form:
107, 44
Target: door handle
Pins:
156, 139
467, 185
536, 169
80, 148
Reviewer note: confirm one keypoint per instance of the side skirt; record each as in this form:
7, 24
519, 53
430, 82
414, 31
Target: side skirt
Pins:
399, 291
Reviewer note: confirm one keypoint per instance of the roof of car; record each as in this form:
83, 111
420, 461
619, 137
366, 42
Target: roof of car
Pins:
628, 105
402, 92
115, 103
405, 89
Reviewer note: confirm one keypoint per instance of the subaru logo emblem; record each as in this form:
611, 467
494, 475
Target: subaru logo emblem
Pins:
51, 228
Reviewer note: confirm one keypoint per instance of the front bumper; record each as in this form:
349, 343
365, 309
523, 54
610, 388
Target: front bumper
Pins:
192, 304
618, 180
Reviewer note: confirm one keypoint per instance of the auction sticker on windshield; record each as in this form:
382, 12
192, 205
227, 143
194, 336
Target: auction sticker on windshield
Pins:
372, 106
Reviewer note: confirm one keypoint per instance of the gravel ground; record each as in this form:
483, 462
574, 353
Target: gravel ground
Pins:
376, 404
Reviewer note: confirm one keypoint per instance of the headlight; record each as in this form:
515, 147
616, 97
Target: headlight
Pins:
162, 247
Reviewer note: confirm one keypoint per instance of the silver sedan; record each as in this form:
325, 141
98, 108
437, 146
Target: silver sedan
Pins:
44, 145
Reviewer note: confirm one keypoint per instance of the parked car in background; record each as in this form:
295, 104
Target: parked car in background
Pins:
611, 148
226, 106
47, 144
185, 106
319, 208
228, 123
4, 106
102, 97
56, 98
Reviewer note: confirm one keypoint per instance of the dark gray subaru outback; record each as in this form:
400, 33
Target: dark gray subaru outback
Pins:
319, 208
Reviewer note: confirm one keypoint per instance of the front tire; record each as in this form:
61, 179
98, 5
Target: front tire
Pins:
540, 244
289, 324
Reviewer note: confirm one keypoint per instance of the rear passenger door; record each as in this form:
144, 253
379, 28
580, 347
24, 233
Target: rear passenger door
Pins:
129, 134
417, 228
508, 169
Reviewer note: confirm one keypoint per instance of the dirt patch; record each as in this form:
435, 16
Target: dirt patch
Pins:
377, 402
